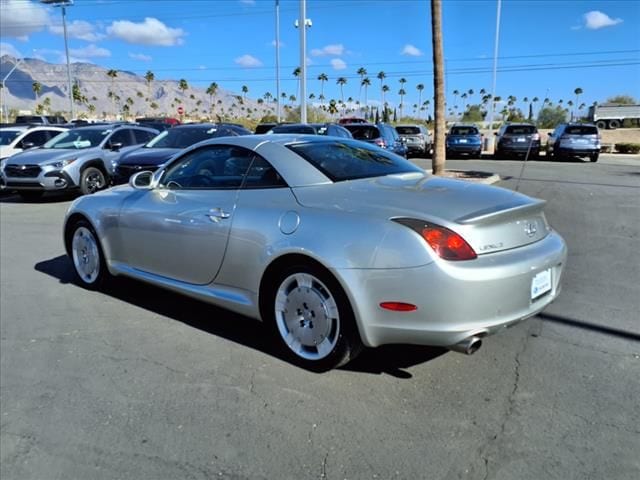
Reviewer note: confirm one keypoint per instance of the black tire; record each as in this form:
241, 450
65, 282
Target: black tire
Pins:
30, 195
297, 307
92, 180
551, 156
613, 124
601, 124
594, 157
86, 255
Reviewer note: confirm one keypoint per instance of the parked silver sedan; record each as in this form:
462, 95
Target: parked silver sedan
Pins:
336, 244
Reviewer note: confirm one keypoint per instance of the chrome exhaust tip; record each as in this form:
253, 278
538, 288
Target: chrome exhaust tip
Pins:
468, 346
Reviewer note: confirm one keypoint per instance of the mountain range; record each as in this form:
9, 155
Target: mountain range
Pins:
94, 85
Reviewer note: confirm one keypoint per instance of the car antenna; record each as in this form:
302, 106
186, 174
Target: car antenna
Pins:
524, 163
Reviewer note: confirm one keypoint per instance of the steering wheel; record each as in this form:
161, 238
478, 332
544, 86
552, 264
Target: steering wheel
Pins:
173, 184
200, 180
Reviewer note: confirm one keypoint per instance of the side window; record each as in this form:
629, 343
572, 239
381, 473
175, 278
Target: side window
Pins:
262, 175
142, 136
37, 138
210, 167
122, 136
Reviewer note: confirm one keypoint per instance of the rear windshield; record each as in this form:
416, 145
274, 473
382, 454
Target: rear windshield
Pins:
408, 130
185, 137
521, 129
581, 130
464, 131
294, 129
363, 132
349, 160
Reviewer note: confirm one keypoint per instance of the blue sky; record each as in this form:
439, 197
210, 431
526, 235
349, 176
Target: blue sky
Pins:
547, 48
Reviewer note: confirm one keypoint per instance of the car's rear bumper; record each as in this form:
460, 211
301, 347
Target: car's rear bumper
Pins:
454, 300
576, 152
466, 148
518, 148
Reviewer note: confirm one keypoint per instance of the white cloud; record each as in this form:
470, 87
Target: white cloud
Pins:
140, 56
19, 18
78, 29
248, 61
202, 67
335, 49
411, 51
273, 43
248, 2
150, 32
8, 49
338, 64
90, 51
594, 20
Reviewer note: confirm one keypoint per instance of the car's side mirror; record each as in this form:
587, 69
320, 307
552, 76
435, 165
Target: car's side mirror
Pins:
27, 145
142, 180
115, 146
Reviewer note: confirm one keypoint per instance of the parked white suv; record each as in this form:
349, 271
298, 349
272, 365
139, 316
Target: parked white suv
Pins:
17, 138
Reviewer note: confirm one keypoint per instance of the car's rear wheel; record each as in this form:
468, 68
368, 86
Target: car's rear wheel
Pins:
601, 124
594, 157
312, 318
87, 256
613, 124
92, 180
30, 195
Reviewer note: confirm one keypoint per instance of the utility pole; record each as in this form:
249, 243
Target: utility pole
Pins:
495, 69
278, 111
63, 4
303, 23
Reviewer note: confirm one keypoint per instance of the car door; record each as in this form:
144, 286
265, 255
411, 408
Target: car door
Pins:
180, 228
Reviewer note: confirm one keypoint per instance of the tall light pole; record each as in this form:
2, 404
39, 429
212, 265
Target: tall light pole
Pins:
3, 107
63, 4
495, 68
278, 111
303, 23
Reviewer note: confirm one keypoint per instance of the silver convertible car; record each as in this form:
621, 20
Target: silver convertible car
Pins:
334, 243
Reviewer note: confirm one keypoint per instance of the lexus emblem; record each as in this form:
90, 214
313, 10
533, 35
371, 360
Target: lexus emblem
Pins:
530, 229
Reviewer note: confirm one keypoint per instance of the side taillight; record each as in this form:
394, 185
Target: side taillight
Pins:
446, 243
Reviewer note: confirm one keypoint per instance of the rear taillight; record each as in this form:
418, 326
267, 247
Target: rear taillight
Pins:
535, 136
446, 243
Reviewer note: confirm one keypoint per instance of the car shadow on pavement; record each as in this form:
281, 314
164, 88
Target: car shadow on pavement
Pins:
390, 359
47, 198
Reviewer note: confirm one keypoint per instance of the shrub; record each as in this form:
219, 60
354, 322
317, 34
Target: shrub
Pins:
628, 147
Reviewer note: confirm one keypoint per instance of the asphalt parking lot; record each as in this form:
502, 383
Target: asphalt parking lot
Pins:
136, 382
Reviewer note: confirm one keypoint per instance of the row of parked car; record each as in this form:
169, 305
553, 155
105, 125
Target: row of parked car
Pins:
39, 158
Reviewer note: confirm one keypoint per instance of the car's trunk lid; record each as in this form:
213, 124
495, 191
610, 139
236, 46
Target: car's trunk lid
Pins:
490, 219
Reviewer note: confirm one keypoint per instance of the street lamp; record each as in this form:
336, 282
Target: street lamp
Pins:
63, 4
303, 58
278, 60
3, 107
491, 138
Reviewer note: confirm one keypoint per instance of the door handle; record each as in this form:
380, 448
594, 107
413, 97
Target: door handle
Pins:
217, 214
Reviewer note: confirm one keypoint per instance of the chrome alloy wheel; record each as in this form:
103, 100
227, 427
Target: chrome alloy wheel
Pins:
86, 255
307, 316
95, 181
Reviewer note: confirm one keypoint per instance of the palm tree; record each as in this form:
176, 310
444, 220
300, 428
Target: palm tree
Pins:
323, 78
385, 89
37, 88
455, 98
149, 78
296, 73
464, 101
112, 74
212, 89
363, 73
439, 153
381, 76
341, 81
420, 88
483, 92
245, 90
365, 82
578, 92
402, 93
182, 86
470, 93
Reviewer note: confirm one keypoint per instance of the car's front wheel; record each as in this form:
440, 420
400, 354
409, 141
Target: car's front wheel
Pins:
312, 318
92, 180
594, 157
87, 256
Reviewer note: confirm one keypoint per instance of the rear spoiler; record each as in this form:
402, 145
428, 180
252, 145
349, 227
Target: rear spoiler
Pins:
502, 212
